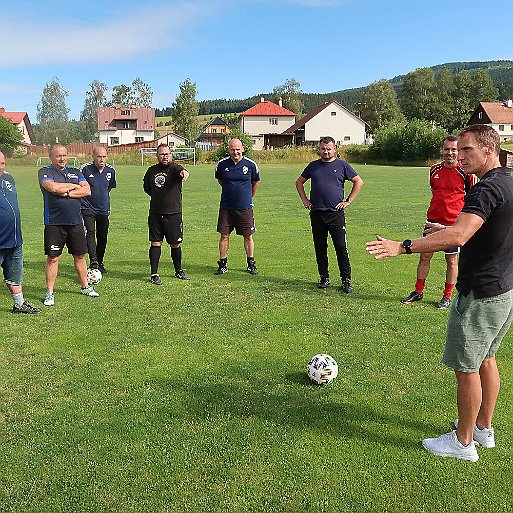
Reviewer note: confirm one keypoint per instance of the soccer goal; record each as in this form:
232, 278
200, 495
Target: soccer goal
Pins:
179, 154
45, 161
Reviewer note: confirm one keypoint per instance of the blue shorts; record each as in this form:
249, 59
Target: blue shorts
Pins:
11, 261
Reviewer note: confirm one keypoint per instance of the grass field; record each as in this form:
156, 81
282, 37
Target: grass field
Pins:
192, 397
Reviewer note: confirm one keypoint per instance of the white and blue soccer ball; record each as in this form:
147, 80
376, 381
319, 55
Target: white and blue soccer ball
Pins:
322, 369
94, 276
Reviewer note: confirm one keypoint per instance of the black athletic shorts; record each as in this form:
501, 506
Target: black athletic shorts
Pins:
71, 236
242, 220
165, 225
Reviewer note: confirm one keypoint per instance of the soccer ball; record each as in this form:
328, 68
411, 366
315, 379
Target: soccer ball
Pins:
94, 276
322, 369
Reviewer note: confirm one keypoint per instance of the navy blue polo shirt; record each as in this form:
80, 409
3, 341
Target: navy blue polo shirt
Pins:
100, 183
237, 182
61, 210
10, 221
327, 189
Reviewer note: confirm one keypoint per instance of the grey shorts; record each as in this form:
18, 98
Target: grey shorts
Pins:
475, 330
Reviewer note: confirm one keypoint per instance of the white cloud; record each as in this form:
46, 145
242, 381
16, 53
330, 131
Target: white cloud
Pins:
120, 38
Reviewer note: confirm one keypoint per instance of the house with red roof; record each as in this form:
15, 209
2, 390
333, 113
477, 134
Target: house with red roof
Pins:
498, 115
125, 125
329, 119
263, 120
22, 121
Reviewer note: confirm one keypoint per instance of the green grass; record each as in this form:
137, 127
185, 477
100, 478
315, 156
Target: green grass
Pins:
192, 397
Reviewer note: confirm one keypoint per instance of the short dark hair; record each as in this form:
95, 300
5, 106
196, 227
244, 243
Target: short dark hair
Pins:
327, 139
450, 138
162, 145
484, 135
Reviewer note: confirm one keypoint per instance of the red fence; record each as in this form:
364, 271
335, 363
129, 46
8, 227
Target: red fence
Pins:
84, 149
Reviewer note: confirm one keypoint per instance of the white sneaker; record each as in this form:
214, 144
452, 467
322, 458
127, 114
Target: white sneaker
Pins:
49, 299
449, 446
484, 437
89, 291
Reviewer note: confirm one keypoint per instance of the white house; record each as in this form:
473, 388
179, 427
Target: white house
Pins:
264, 119
22, 122
498, 115
329, 119
172, 140
125, 125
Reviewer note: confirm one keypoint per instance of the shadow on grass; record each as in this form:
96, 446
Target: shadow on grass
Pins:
302, 405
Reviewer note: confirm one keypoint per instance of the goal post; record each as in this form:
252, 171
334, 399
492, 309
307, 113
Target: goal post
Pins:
178, 154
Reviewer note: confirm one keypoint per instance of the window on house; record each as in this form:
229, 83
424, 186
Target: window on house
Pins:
273, 121
171, 144
139, 139
125, 124
501, 128
114, 141
347, 138
223, 130
125, 113
334, 113
214, 130
480, 115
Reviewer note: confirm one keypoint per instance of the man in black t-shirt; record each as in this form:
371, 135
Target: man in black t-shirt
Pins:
483, 310
163, 183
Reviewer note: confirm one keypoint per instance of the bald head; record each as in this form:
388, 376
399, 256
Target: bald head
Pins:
100, 157
235, 149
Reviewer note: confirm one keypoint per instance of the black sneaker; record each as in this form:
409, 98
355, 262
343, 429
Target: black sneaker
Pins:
346, 286
102, 269
25, 308
414, 296
94, 265
323, 282
181, 275
223, 268
252, 268
155, 279
444, 303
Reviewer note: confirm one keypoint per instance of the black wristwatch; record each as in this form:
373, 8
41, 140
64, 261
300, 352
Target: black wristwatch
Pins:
407, 246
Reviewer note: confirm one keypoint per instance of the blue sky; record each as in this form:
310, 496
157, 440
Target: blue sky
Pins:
234, 48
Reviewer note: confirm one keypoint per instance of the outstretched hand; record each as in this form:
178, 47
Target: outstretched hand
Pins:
383, 248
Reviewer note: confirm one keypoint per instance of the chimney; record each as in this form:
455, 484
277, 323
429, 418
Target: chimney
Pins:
509, 104
280, 102
262, 99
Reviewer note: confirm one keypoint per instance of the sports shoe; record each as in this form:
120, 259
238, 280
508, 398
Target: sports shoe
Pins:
252, 268
25, 308
49, 299
484, 437
102, 269
323, 282
449, 446
223, 268
414, 296
89, 291
155, 279
444, 303
181, 275
346, 286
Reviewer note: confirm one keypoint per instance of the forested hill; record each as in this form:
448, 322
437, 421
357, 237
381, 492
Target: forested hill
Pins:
501, 73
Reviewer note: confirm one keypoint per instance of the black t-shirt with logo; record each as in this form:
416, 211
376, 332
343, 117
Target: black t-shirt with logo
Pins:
164, 186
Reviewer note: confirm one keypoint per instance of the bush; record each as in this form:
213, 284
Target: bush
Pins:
414, 141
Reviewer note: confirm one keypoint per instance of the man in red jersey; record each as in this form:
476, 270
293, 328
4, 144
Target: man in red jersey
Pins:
449, 184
